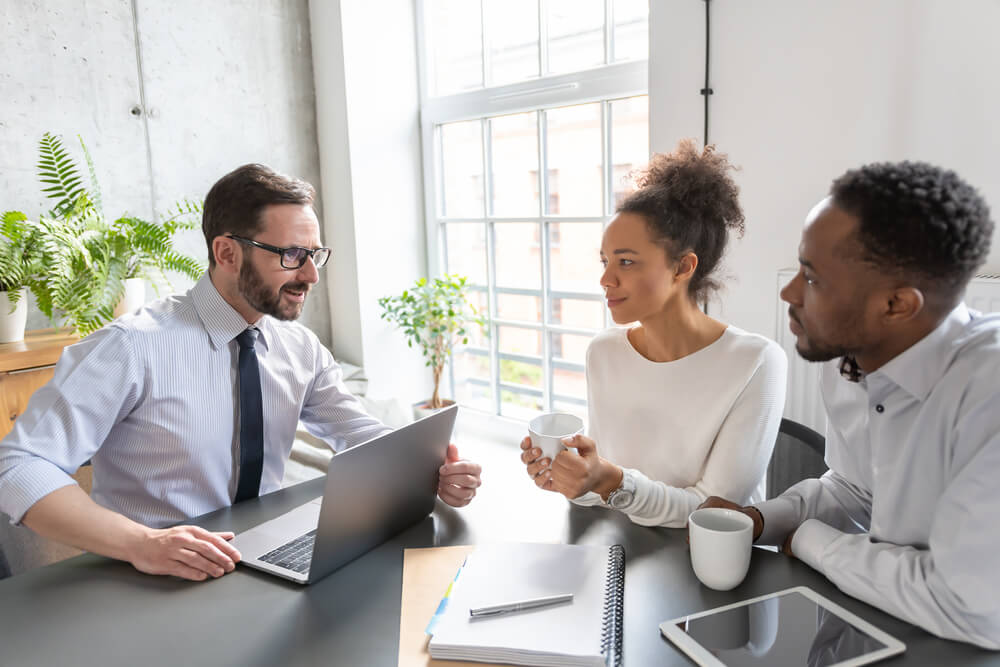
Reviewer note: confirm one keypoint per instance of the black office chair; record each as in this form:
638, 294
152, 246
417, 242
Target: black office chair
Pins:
798, 454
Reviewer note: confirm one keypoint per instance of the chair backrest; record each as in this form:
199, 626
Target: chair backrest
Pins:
798, 454
4, 568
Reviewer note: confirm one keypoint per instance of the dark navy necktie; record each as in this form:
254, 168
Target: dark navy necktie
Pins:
251, 419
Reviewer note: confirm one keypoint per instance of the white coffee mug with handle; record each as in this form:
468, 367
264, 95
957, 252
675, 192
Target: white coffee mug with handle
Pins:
721, 543
547, 432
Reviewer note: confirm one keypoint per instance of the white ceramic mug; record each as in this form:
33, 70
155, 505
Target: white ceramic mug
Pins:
721, 542
547, 432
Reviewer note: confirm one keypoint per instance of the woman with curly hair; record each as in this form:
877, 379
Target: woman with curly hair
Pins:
681, 405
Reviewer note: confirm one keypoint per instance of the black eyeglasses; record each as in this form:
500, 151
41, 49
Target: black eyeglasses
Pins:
291, 258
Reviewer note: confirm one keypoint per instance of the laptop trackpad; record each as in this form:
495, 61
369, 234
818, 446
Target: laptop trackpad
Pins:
272, 534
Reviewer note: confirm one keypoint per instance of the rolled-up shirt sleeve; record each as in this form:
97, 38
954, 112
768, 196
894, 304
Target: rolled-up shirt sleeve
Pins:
331, 412
67, 420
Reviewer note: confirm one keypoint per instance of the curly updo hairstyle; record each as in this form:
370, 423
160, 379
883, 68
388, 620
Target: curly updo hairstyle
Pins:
690, 202
920, 222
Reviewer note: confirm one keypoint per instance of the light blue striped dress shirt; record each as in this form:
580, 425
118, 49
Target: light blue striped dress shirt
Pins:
908, 517
152, 400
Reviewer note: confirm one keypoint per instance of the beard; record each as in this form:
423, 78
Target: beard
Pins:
811, 350
262, 299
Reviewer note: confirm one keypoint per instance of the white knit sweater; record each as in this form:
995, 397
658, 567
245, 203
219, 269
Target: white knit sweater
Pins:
687, 429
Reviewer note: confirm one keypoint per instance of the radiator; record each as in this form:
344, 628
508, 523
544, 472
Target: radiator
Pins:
802, 402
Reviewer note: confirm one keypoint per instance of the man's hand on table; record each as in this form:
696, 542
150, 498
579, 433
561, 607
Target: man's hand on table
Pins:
752, 512
188, 552
459, 479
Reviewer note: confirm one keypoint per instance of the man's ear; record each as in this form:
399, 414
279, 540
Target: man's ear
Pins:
228, 253
903, 304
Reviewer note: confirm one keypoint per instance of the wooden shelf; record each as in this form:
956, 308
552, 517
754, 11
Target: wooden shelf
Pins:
41, 347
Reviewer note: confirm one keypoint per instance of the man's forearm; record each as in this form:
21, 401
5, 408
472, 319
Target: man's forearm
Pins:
69, 516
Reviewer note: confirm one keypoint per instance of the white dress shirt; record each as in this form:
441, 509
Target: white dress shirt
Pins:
908, 517
152, 399
683, 430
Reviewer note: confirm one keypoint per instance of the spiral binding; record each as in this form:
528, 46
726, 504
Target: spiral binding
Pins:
614, 607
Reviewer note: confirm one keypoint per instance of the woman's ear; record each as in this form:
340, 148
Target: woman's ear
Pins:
686, 267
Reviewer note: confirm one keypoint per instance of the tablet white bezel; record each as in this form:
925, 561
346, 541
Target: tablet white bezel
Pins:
704, 658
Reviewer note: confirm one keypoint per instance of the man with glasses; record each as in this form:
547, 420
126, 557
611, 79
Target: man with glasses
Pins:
192, 402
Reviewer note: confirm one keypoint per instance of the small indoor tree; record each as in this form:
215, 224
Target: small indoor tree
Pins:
434, 315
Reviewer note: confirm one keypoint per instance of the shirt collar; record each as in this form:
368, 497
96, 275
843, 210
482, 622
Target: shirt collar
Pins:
919, 367
221, 321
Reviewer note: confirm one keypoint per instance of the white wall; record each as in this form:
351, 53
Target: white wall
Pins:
805, 89
369, 135
225, 83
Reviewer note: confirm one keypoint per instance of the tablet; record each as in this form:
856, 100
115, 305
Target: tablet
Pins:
796, 627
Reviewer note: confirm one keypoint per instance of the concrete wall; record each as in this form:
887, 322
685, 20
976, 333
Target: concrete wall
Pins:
219, 84
805, 89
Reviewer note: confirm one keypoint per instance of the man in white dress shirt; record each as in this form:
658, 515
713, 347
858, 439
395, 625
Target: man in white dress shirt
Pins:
154, 399
906, 517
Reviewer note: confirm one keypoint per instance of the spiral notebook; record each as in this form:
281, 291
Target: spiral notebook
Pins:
585, 631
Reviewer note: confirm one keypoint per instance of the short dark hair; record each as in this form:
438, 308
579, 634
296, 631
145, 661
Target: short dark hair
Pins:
690, 202
919, 221
236, 201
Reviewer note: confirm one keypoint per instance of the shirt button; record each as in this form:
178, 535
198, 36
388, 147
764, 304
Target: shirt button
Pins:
880, 408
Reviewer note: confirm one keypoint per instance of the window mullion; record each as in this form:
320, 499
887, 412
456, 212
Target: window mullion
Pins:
485, 40
543, 200
607, 196
609, 31
543, 38
491, 265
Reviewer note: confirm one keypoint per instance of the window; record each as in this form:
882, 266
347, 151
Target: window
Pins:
533, 114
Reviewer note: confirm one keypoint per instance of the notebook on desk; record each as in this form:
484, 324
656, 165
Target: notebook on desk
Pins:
584, 631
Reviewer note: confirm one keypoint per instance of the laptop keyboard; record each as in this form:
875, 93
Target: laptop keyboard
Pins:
295, 555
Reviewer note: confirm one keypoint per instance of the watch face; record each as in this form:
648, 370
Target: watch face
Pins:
620, 498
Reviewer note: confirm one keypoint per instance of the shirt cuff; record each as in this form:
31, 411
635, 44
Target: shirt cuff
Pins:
811, 541
31, 481
780, 518
589, 499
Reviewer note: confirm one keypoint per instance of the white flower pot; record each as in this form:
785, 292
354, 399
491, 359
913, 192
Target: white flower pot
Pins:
133, 298
420, 410
12, 324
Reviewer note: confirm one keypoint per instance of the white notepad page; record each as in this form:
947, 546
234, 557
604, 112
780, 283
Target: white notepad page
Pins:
499, 573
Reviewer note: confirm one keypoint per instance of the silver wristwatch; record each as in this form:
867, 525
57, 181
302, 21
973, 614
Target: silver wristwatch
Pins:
623, 496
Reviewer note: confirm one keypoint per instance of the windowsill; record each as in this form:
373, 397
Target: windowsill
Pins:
477, 426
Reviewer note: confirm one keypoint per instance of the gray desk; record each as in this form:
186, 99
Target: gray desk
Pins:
94, 611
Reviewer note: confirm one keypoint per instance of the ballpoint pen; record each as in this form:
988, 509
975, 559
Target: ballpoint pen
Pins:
519, 605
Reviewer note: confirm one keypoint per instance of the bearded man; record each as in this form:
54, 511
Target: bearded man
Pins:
905, 519
191, 403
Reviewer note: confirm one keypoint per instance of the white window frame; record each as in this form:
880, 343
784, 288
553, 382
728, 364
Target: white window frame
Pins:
604, 84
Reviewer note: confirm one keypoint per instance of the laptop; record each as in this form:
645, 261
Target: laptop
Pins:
373, 491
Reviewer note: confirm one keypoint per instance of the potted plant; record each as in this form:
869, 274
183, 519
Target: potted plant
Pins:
87, 260
433, 315
19, 260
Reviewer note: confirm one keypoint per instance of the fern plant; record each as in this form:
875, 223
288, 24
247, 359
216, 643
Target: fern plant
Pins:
85, 258
19, 254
